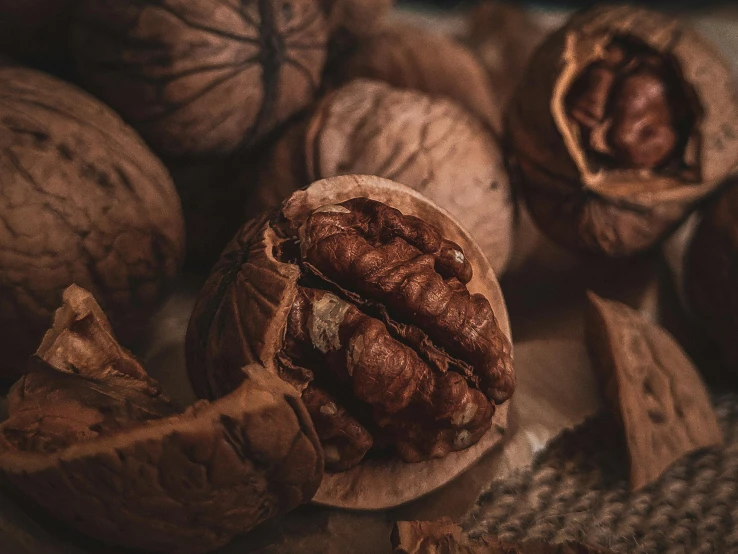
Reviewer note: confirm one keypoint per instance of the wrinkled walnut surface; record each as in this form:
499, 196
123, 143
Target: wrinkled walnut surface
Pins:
202, 76
653, 387
430, 145
410, 57
83, 201
624, 120
711, 273
93, 441
368, 314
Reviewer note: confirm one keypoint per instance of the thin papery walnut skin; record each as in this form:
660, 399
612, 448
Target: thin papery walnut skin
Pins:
378, 378
632, 108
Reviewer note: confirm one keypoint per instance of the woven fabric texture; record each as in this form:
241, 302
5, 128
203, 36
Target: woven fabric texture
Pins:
578, 490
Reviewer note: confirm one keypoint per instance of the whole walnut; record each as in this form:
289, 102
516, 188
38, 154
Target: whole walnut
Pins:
202, 77
407, 56
504, 37
95, 442
624, 120
384, 314
711, 274
431, 145
84, 201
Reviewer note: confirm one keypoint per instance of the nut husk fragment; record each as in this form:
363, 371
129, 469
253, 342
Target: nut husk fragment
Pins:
406, 56
429, 144
93, 441
653, 387
202, 77
84, 201
443, 536
624, 120
287, 299
711, 274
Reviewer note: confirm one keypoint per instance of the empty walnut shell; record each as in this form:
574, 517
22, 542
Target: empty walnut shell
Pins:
431, 145
624, 120
711, 274
407, 56
93, 441
201, 76
84, 201
391, 323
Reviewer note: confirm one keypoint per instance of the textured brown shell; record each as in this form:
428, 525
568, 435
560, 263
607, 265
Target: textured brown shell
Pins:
711, 273
202, 76
411, 57
188, 482
616, 212
431, 145
220, 339
84, 201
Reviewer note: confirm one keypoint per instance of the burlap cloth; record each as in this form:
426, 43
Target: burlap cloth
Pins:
578, 489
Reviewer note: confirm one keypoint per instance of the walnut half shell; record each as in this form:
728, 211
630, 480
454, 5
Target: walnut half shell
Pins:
384, 313
94, 441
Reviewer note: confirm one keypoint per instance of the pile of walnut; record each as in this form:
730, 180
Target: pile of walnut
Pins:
354, 180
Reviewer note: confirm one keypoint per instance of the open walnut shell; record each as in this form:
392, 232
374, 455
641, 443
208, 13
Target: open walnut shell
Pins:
94, 441
391, 323
623, 121
429, 144
202, 77
406, 56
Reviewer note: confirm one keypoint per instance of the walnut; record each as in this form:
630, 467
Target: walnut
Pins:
407, 56
84, 201
653, 387
202, 77
92, 440
710, 277
504, 36
392, 326
624, 120
430, 145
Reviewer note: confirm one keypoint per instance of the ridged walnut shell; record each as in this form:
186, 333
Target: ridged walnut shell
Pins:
711, 273
202, 76
430, 144
84, 201
406, 56
665, 141
93, 441
243, 312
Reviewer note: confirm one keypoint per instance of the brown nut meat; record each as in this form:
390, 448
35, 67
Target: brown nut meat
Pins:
624, 120
390, 322
202, 77
430, 145
93, 440
406, 56
84, 201
711, 274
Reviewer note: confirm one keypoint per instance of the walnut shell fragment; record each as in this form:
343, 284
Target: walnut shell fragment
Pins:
443, 536
429, 144
653, 387
84, 201
624, 120
387, 317
711, 274
202, 77
407, 56
93, 441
